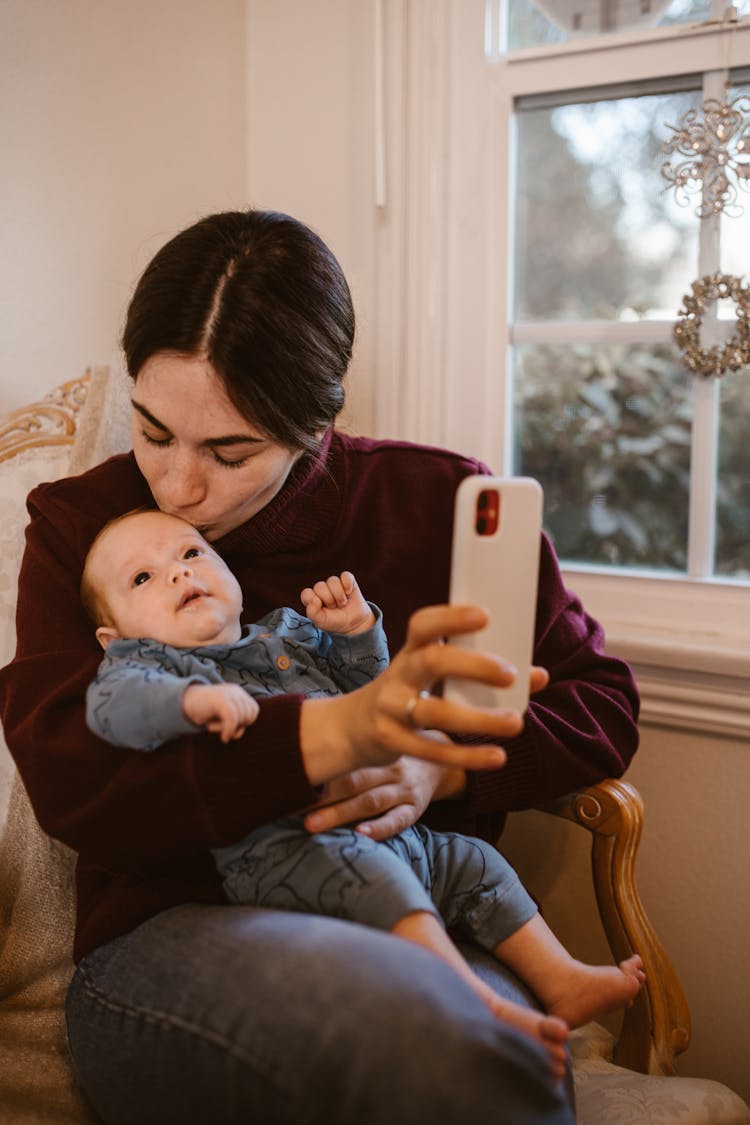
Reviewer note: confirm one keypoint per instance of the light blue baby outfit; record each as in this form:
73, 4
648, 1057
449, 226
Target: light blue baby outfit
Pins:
136, 701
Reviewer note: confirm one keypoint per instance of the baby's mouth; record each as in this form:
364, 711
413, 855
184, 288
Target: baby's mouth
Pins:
191, 595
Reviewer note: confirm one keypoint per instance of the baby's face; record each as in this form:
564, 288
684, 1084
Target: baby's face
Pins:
159, 578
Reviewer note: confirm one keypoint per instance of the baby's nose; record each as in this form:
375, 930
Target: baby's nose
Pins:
179, 570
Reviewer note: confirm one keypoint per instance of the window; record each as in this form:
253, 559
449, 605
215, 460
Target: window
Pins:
555, 21
646, 467
604, 411
531, 263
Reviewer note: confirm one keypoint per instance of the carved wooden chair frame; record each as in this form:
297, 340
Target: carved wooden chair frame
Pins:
656, 1029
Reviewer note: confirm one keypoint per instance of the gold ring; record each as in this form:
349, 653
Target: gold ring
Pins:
410, 706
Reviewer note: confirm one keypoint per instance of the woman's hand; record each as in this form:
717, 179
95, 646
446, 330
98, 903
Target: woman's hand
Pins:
385, 719
384, 800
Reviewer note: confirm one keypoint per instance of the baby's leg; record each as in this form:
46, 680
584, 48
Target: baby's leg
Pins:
385, 885
570, 989
424, 929
478, 891
340, 873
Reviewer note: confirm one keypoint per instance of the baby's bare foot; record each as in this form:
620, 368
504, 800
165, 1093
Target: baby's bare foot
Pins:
588, 991
551, 1031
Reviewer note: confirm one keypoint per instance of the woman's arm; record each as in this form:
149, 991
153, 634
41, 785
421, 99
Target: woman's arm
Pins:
580, 727
196, 793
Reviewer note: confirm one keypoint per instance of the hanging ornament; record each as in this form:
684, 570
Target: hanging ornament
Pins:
735, 353
716, 156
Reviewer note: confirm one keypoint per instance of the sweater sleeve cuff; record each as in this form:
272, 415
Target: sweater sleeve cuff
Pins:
263, 770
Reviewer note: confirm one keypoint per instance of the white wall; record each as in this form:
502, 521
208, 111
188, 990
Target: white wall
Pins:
120, 123
310, 142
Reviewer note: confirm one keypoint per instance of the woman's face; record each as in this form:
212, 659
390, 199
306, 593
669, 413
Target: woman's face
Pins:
203, 461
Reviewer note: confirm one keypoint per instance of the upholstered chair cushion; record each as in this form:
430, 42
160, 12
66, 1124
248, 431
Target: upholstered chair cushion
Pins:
36, 873
610, 1095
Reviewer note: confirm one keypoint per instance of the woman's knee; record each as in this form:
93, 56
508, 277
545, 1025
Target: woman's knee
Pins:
281, 1018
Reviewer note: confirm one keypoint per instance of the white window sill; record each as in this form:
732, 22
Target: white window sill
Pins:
688, 643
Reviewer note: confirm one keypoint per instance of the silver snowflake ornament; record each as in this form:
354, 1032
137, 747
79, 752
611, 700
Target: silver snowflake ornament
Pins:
716, 156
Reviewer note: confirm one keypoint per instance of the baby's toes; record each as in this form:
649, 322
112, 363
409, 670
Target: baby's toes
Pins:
632, 966
559, 1057
554, 1031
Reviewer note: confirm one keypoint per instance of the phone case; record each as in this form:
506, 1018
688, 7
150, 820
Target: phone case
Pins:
495, 564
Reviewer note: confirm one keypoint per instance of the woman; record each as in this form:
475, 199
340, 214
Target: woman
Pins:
183, 1008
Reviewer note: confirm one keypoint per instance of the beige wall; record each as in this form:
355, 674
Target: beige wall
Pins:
120, 122
692, 873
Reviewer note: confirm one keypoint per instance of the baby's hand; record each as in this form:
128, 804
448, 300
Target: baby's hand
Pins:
338, 605
225, 709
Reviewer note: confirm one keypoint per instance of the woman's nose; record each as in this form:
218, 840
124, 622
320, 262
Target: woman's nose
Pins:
183, 484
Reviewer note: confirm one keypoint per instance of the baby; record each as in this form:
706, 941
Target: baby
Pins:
167, 612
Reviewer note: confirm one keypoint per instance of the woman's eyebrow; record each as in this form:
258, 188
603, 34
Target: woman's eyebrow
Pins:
148, 416
233, 439
228, 439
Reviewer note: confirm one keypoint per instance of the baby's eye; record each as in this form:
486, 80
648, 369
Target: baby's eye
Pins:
141, 577
192, 553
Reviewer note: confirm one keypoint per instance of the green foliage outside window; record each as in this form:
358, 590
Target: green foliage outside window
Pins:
606, 431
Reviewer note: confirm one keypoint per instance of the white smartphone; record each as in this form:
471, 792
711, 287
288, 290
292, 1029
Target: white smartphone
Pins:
495, 564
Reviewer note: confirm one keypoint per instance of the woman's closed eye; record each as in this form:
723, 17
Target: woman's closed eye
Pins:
160, 441
225, 464
166, 441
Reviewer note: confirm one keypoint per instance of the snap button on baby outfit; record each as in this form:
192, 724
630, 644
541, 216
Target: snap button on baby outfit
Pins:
283, 662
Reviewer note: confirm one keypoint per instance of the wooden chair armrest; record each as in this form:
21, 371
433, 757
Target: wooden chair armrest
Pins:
657, 1027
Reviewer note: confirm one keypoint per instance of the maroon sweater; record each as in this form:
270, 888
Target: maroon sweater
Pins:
142, 824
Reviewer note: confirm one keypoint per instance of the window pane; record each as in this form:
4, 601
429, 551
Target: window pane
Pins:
733, 484
555, 21
733, 505
735, 227
598, 236
606, 431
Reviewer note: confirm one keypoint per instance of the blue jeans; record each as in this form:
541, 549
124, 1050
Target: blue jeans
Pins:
219, 1014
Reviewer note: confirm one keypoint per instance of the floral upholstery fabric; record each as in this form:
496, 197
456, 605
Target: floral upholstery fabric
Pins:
17, 477
36, 873
36, 883
610, 1095
36, 877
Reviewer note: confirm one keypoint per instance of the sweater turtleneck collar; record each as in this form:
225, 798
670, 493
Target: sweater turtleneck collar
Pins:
304, 510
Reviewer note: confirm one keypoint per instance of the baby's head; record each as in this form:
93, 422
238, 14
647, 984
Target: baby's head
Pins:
149, 574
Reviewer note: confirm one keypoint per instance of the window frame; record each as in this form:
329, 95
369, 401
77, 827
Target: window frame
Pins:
667, 625
443, 260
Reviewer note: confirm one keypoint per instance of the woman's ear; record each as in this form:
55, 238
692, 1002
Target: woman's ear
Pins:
105, 634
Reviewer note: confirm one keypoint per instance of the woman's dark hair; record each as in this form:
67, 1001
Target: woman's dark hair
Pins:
264, 299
